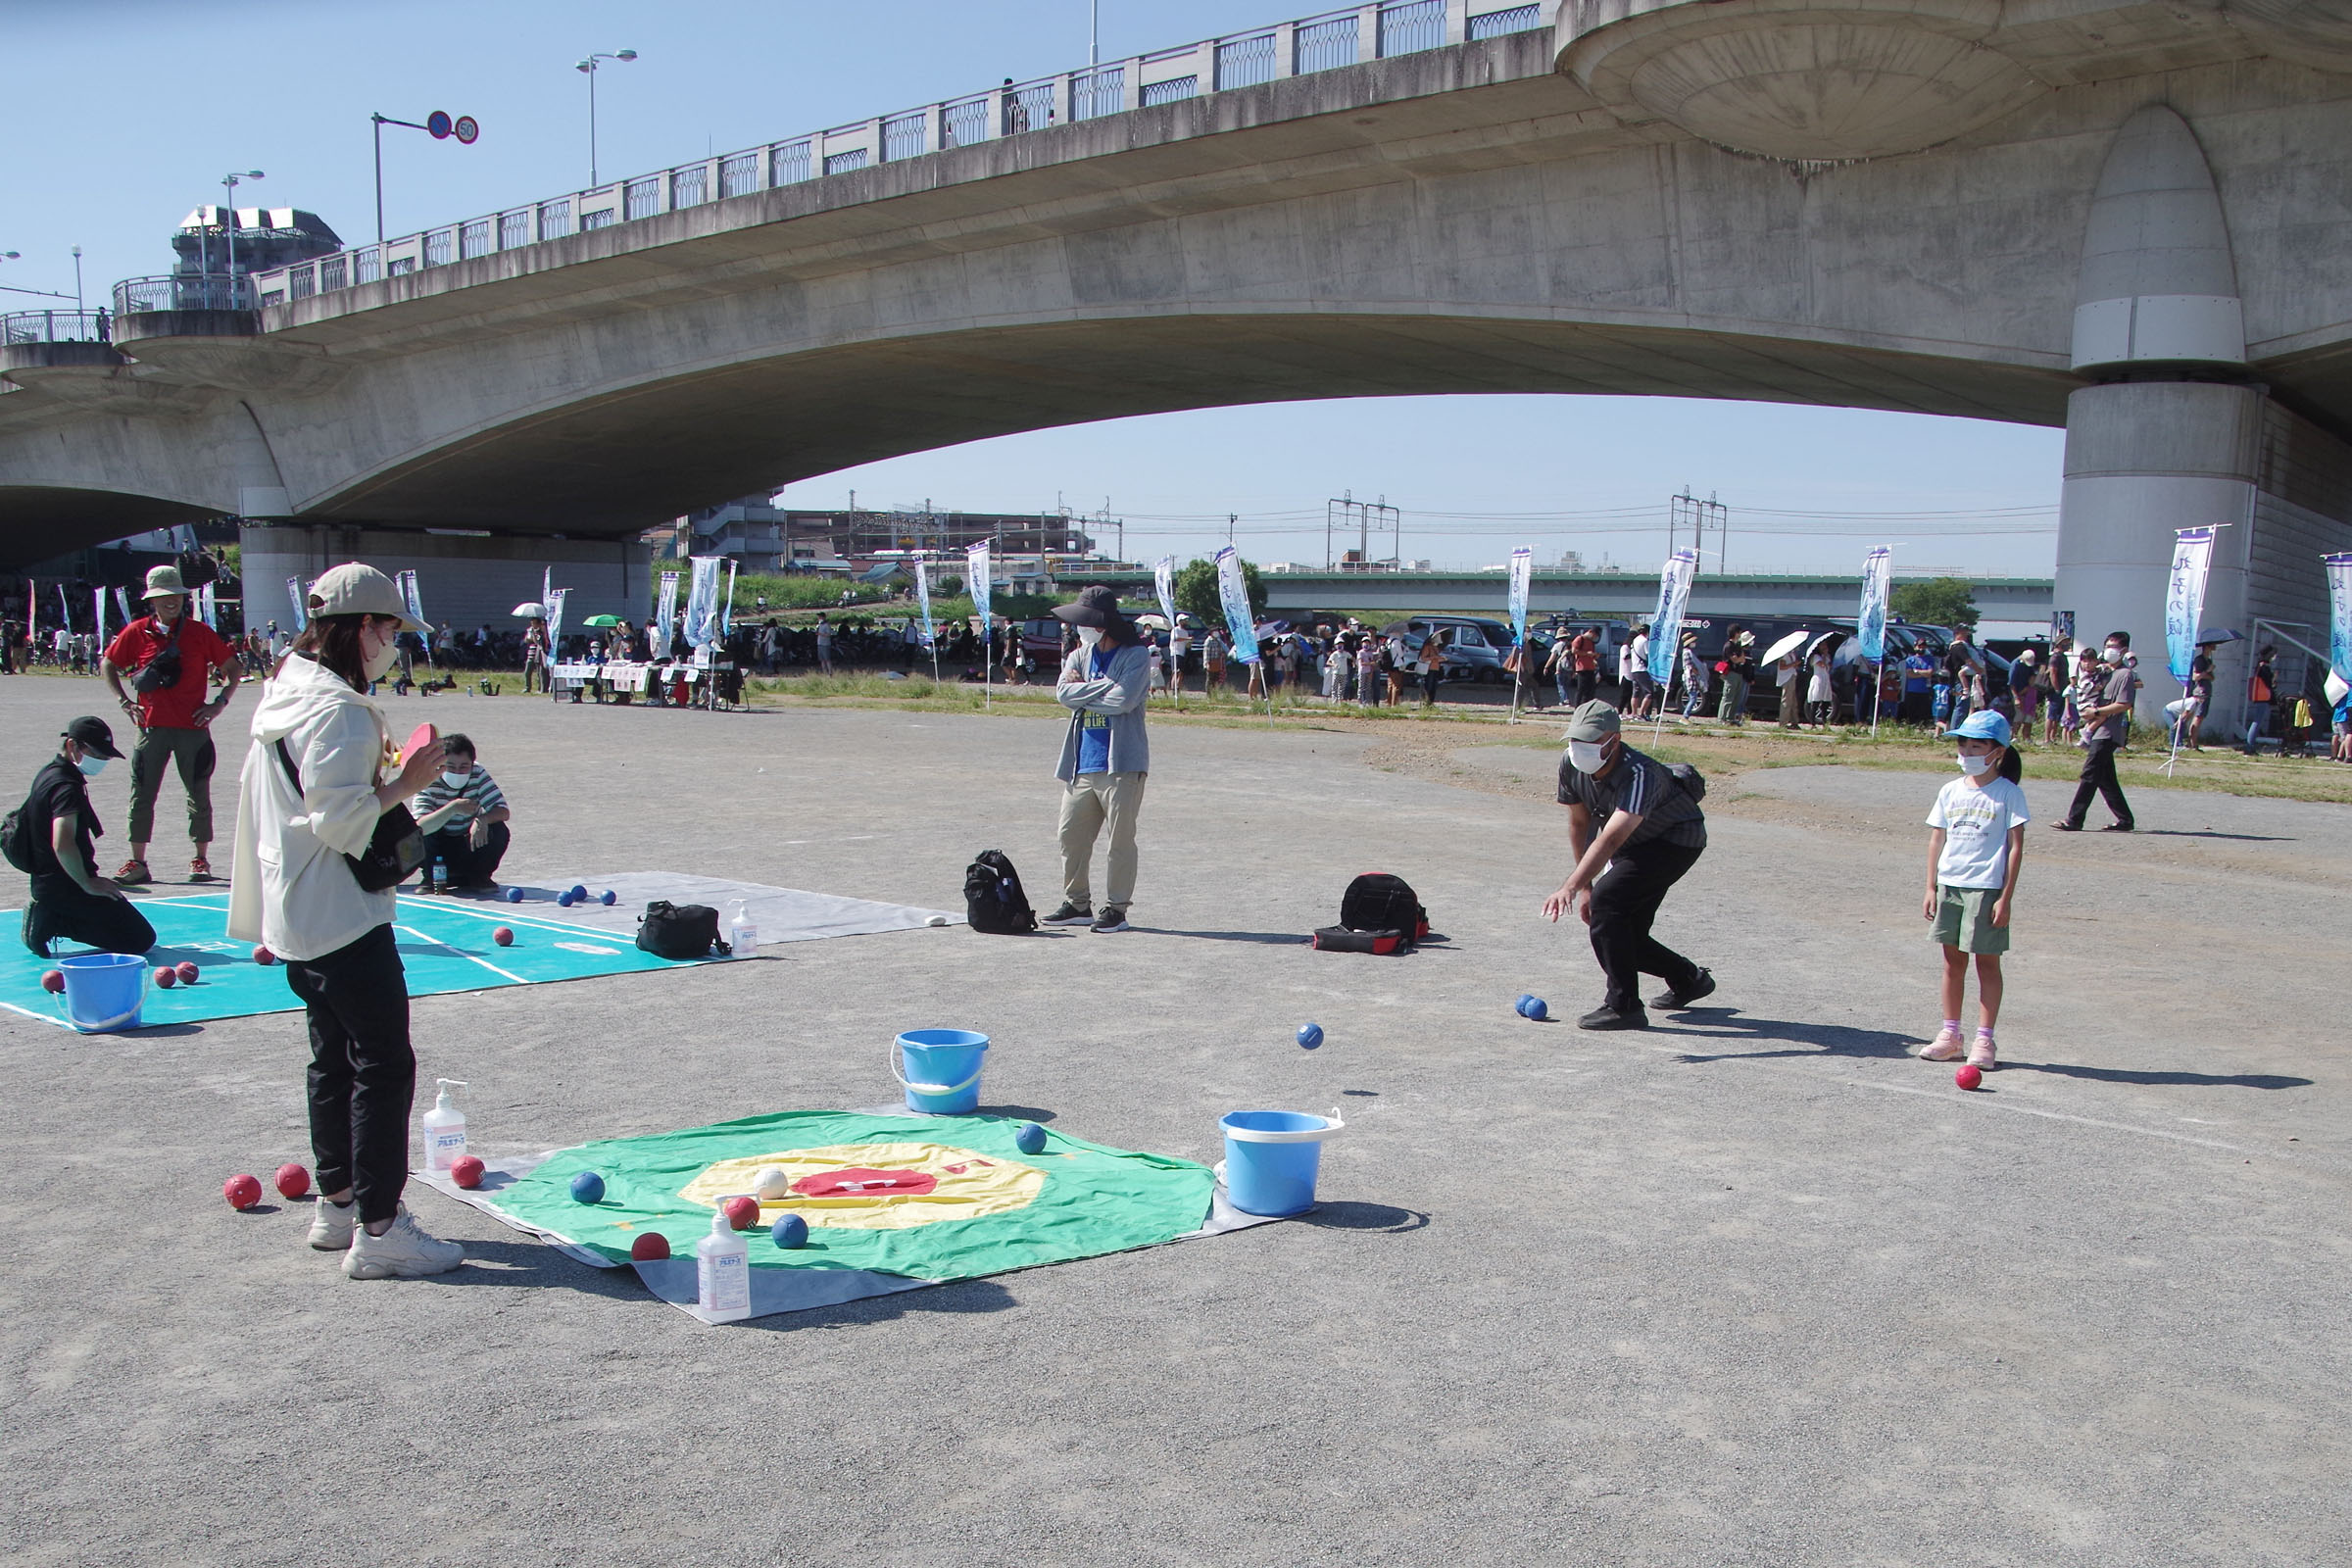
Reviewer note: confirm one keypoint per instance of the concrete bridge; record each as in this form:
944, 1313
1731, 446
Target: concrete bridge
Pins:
2130, 219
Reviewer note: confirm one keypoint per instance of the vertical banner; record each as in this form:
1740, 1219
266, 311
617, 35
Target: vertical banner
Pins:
1163, 580
2185, 599
98, 610
726, 607
2340, 614
208, 609
665, 613
547, 584
1232, 590
122, 604
702, 602
977, 570
1523, 570
922, 596
302, 603
65, 609
555, 621
1666, 625
412, 595
1878, 584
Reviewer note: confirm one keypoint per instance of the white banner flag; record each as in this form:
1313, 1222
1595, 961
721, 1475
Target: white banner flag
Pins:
98, 608
2340, 614
555, 621
122, 604
1523, 572
977, 570
702, 602
665, 619
1164, 579
208, 606
302, 603
1666, 625
412, 595
1878, 583
922, 596
1232, 590
2185, 599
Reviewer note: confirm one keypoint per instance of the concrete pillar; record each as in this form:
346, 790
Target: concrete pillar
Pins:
463, 579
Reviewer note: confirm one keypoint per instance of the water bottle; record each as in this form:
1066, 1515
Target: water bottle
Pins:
444, 1129
440, 873
742, 934
723, 1272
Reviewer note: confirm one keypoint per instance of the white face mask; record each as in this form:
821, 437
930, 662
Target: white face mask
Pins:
1090, 637
1975, 765
384, 658
2113, 655
92, 766
1585, 755
456, 780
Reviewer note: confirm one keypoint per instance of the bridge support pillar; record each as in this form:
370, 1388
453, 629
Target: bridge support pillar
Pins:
467, 581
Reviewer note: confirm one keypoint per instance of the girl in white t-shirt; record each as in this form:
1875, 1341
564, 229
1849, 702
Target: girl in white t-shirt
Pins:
1975, 852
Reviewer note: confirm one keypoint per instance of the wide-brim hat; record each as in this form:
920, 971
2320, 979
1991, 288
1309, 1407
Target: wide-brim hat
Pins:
162, 580
1096, 606
354, 589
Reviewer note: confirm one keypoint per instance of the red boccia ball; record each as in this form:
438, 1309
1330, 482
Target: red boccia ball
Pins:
504, 936
1968, 1076
263, 957
292, 1179
649, 1247
187, 973
54, 980
242, 1192
167, 977
467, 1171
743, 1212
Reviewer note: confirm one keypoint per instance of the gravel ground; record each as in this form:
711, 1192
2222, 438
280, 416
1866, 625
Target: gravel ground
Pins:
1752, 1288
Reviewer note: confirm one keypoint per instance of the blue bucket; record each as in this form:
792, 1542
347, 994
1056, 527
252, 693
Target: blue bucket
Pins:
1271, 1157
941, 1073
104, 991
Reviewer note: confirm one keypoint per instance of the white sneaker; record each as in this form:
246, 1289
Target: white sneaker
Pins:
332, 1225
404, 1251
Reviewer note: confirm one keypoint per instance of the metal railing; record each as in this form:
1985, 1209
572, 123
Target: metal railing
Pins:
184, 291
1325, 41
54, 326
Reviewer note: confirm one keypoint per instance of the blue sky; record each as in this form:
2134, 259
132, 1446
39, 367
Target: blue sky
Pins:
111, 154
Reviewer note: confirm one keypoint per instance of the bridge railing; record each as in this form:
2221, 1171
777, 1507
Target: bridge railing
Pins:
54, 326
184, 291
1325, 41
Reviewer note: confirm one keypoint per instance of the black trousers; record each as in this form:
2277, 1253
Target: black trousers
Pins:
1625, 901
59, 909
2098, 779
466, 863
1587, 682
362, 1076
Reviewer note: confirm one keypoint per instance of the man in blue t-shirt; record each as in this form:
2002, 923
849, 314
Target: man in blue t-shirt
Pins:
1918, 673
1106, 754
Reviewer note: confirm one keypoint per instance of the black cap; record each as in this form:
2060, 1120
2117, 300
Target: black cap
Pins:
1097, 607
92, 736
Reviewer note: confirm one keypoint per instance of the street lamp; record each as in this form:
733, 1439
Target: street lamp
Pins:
232, 179
587, 68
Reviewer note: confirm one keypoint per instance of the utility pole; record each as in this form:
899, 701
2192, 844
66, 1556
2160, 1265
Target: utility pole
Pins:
1230, 520
1701, 515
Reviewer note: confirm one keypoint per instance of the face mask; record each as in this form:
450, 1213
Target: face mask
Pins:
1585, 755
92, 766
385, 658
1975, 765
2113, 655
1090, 637
456, 781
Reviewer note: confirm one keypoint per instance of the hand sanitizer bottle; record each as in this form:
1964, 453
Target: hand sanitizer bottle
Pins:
444, 1129
723, 1271
742, 935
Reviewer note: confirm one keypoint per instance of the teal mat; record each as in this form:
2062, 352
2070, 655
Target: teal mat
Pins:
444, 943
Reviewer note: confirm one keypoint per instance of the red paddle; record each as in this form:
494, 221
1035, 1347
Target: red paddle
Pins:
423, 735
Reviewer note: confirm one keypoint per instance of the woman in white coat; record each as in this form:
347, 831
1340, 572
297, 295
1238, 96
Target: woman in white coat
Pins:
312, 794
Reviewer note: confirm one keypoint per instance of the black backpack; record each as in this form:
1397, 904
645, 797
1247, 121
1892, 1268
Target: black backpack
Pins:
993, 900
1692, 781
15, 837
670, 930
1379, 901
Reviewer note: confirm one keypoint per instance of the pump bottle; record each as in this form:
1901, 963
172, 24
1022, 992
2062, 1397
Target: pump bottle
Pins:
723, 1271
444, 1129
742, 934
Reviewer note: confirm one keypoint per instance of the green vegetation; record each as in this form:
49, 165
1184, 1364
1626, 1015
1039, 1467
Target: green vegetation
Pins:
1197, 592
1935, 601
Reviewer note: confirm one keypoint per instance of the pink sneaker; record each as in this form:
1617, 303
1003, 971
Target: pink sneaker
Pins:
1980, 1055
1945, 1046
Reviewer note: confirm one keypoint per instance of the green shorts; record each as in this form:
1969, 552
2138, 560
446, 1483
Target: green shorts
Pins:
1964, 920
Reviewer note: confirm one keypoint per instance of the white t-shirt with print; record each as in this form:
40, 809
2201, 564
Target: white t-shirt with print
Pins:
1975, 825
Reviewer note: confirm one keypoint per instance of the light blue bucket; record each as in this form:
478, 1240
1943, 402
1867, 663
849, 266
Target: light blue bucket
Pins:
104, 991
941, 1073
1271, 1157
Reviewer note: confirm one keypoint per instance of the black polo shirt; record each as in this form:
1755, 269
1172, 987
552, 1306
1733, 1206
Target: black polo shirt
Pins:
1639, 785
59, 789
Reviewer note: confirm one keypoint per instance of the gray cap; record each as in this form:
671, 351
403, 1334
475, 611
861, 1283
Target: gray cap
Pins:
354, 589
1594, 722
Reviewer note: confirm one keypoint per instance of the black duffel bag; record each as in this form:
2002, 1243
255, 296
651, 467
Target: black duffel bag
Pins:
670, 930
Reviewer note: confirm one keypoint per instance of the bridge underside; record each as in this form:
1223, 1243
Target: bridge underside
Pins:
606, 465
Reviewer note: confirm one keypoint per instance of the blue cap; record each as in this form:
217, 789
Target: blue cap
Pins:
1985, 725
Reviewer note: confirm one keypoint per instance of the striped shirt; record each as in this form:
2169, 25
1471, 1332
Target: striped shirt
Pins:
479, 788
1640, 786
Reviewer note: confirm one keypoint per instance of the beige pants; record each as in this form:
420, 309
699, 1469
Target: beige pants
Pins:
1085, 804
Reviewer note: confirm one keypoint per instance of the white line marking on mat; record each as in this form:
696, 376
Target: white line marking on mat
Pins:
468, 956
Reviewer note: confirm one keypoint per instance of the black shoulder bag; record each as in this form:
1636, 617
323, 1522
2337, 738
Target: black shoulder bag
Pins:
395, 849
163, 670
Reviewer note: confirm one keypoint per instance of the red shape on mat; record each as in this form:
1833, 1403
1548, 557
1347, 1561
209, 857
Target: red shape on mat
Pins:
858, 1181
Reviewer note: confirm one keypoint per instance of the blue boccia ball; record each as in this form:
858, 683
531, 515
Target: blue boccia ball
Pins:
587, 1188
1029, 1138
607, 897
1311, 1035
790, 1231
513, 895
1520, 1006
564, 901
1536, 1009
579, 894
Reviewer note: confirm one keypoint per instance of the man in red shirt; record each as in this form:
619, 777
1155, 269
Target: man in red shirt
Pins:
1586, 651
170, 656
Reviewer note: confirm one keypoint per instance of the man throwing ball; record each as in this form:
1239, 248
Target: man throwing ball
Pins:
1635, 829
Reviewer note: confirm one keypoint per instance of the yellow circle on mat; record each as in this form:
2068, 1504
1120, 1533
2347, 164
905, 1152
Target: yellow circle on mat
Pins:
960, 1185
